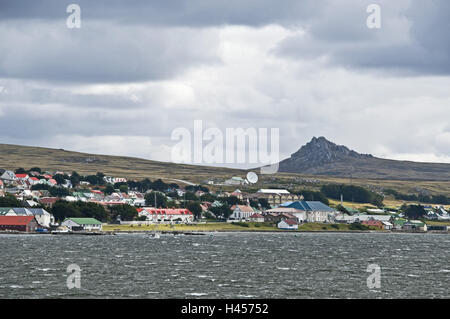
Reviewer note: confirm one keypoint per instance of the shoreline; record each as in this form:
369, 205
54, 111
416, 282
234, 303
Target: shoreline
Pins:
205, 232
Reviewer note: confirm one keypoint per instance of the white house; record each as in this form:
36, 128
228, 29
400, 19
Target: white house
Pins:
235, 180
43, 217
298, 213
316, 212
76, 223
288, 224
7, 175
387, 225
166, 215
358, 218
241, 212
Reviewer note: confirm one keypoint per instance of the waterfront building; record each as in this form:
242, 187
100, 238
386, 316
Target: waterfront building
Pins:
288, 224
241, 212
77, 223
299, 214
166, 215
18, 223
316, 212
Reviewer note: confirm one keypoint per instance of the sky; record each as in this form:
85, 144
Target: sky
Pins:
135, 71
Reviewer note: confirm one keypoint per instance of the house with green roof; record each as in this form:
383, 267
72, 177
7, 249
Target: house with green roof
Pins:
399, 222
351, 210
81, 223
415, 225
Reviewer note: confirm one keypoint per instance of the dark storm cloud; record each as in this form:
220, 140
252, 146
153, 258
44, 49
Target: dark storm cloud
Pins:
413, 38
174, 12
135, 41
99, 52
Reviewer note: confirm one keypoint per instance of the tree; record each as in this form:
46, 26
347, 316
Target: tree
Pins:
195, 208
20, 170
58, 191
10, 201
254, 203
208, 197
351, 192
75, 178
109, 189
231, 200
221, 212
100, 179
125, 211
414, 212
59, 178
123, 188
194, 188
62, 209
93, 210
159, 185
161, 200
190, 196
35, 169
264, 203
146, 184
92, 179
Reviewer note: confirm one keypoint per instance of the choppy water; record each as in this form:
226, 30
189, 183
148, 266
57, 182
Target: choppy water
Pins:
226, 265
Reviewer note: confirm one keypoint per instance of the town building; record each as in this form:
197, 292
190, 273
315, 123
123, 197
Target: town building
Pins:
235, 180
275, 218
415, 225
241, 212
166, 215
316, 212
288, 224
373, 223
299, 214
359, 218
257, 218
81, 223
275, 196
18, 223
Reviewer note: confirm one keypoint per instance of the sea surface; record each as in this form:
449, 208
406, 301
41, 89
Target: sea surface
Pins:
226, 265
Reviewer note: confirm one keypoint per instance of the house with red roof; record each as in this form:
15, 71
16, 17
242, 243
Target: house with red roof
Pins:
48, 201
258, 218
22, 176
288, 224
18, 223
374, 223
33, 180
166, 215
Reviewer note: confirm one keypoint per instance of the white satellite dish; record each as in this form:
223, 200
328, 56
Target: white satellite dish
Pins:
252, 177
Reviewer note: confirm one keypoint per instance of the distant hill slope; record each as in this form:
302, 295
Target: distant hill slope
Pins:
14, 156
322, 157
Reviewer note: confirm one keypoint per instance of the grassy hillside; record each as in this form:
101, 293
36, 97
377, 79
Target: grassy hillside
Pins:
14, 156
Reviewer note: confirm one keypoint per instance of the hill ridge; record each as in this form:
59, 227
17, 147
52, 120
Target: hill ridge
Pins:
322, 157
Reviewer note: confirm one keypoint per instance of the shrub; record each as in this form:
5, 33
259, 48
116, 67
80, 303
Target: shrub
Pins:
241, 224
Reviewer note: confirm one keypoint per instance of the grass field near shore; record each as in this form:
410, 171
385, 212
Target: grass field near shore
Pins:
208, 227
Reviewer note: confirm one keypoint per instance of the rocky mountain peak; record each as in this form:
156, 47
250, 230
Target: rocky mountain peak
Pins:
320, 151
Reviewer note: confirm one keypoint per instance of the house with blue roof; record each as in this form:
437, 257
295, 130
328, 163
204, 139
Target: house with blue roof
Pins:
316, 212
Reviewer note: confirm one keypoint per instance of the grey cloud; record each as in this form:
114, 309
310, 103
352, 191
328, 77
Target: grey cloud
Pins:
174, 12
100, 52
413, 39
